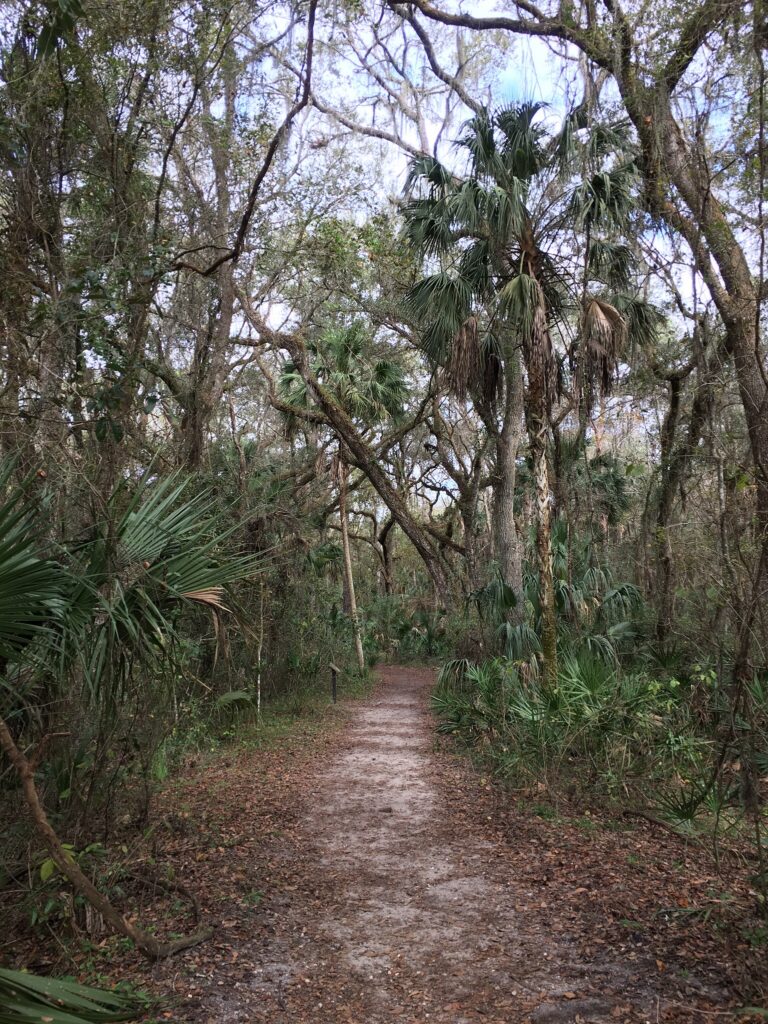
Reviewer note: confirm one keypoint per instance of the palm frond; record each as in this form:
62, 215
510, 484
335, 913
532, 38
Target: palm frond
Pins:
466, 207
610, 262
606, 198
506, 210
475, 268
388, 388
603, 338
291, 387
521, 148
427, 170
26, 997
607, 139
465, 363
519, 299
31, 587
521, 641
479, 140
523, 301
427, 226
212, 597
494, 599
443, 302
644, 320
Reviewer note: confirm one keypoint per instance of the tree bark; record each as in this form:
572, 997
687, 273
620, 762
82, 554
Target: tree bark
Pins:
469, 482
544, 552
384, 539
507, 544
669, 481
540, 372
690, 207
349, 579
468, 513
675, 458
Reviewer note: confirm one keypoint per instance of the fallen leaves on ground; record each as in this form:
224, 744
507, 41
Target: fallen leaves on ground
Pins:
230, 831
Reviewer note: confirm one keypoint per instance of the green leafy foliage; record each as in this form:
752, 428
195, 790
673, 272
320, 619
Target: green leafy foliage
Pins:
62, 18
599, 728
31, 587
25, 997
368, 387
102, 622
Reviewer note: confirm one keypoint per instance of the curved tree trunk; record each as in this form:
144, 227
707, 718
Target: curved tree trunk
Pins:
151, 947
469, 483
366, 459
384, 539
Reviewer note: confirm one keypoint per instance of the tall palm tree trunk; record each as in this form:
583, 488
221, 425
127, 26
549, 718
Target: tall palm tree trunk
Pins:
544, 552
349, 582
507, 544
541, 374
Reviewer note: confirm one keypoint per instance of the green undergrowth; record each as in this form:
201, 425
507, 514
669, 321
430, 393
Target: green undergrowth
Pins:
610, 738
239, 721
410, 631
307, 709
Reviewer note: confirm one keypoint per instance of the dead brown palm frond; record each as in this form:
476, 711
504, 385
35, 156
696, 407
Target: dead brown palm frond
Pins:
211, 597
603, 339
465, 366
473, 367
540, 362
492, 376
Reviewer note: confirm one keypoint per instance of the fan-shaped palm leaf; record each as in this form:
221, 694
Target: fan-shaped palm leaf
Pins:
521, 148
642, 318
606, 198
610, 262
428, 170
479, 140
443, 302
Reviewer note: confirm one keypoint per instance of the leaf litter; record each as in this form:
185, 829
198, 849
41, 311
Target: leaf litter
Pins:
359, 875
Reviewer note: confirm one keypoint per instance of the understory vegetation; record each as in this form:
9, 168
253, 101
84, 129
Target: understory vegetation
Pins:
325, 343
622, 729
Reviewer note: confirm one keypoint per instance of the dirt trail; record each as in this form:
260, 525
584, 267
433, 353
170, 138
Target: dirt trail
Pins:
409, 917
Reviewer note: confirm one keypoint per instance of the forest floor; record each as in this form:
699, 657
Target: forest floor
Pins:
366, 874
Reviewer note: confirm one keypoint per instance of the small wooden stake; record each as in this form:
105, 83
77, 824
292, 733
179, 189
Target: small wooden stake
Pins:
334, 675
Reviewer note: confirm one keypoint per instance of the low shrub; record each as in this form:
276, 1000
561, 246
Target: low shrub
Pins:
600, 730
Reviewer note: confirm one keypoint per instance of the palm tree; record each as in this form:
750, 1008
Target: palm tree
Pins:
509, 283
369, 390
99, 620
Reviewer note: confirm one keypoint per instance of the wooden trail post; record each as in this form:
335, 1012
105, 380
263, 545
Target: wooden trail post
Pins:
334, 676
